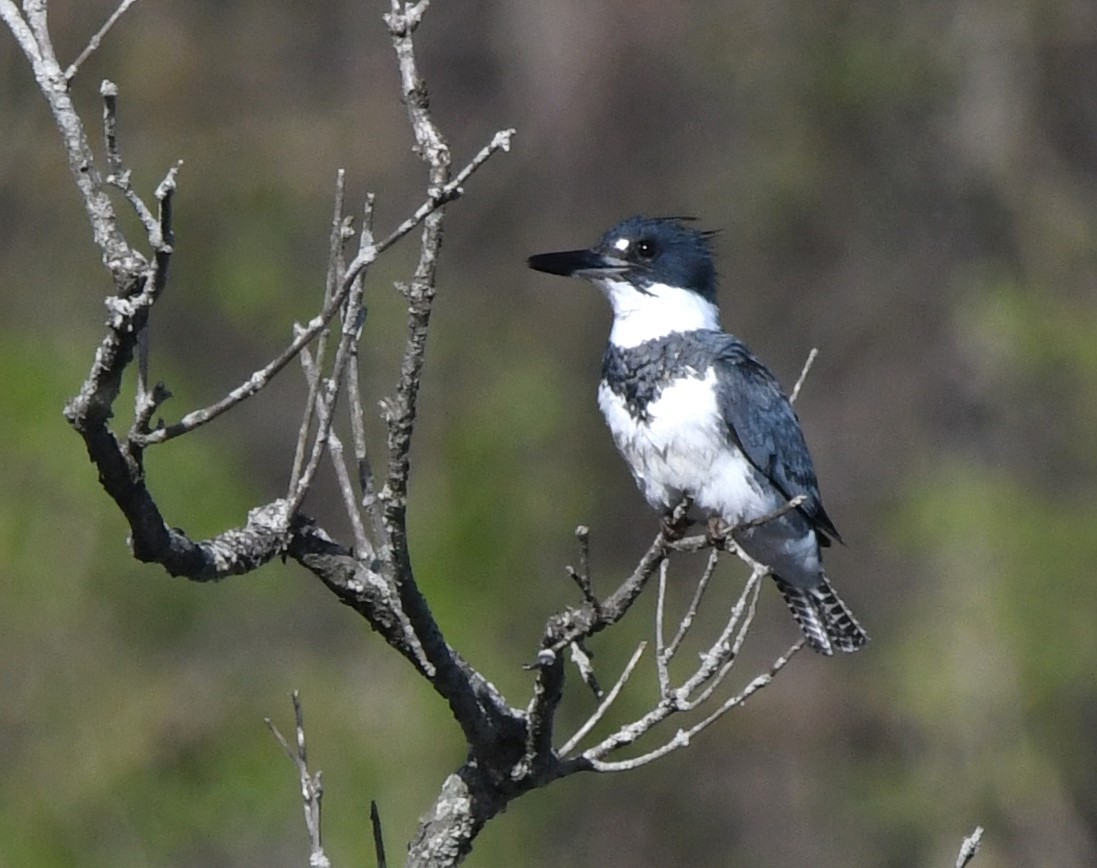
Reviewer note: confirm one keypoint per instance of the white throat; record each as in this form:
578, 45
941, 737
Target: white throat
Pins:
658, 311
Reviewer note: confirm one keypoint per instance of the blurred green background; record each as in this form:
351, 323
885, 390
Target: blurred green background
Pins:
910, 187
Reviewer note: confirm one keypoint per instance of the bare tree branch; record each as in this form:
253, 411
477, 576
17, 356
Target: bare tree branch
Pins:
970, 847
95, 41
312, 785
608, 701
363, 546
683, 737
803, 375
694, 604
510, 748
125, 265
334, 277
262, 377
378, 839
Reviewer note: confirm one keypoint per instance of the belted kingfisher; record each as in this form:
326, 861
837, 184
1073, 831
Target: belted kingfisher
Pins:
695, 414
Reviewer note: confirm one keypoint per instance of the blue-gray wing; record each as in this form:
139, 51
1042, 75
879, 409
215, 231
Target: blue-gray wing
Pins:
763, 424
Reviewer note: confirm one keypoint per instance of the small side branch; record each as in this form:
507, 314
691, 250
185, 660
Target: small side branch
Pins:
581, 576
608, 701
334, 277
312, 785
970, 847
378, 838
803, 375
682, 738
124, 263
696, 690
93, 44
594, 616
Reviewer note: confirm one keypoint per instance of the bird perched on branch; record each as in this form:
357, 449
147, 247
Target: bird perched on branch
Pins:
696, 415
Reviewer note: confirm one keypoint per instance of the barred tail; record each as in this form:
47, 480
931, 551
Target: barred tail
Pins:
823, 618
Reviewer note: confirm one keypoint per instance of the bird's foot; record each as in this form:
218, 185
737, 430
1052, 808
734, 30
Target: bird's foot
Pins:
717, 531
674, 528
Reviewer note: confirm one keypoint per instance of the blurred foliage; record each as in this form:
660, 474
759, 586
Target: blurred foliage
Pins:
908, 186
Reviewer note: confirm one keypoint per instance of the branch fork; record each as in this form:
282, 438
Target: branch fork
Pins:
511, 749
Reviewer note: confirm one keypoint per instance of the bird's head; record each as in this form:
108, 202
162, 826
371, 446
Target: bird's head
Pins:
657, 273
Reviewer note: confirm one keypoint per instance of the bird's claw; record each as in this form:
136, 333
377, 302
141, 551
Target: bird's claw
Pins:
673, 529
717, 531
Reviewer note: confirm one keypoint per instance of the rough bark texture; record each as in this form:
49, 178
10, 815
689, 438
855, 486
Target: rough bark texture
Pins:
511, 750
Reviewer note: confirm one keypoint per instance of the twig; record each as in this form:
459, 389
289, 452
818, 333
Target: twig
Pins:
366, 485
119, 176
604, 706
378, 840
970, 847
162, 241
31, 33
262, 377
694, 604
772, 516
803, 375
362, 545
580, 656
254, 384
312, 786
334, 276
683, 737
330, 394
662, 659
721, 656
581, 577
447, 193
715, 665
93, 44
584, 622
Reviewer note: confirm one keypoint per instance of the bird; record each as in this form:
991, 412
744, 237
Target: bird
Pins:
696, 415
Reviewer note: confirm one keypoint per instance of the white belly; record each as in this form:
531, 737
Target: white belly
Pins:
684, 449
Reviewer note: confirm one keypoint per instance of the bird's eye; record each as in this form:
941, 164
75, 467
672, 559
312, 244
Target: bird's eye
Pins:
645, 248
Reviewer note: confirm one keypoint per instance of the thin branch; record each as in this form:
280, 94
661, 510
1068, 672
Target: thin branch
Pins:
334, 276
662, 659
721, 656
362, 545
22, 32
580, 656
591, 618
673, 701
970, 847
255, 383
581, 577
608, 701
32, 35
263, 376
162, 240
378, 839
684, 736
803, 375
93, 44
695, 603
367, 488
312, 786
326, 407
772, 516
448, 192
119, 176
